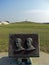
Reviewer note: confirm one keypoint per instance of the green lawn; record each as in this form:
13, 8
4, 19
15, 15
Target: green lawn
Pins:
25, 27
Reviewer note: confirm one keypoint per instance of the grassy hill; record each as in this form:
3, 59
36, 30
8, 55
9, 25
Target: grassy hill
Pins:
25, 27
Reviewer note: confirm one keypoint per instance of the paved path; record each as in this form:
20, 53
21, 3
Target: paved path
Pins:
42, 60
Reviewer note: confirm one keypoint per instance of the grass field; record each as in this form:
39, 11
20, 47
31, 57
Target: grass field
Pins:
25, 27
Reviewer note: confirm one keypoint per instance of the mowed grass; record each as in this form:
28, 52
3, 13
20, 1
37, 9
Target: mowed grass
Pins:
25, 27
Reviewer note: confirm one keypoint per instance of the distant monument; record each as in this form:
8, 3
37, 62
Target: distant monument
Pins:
4, 22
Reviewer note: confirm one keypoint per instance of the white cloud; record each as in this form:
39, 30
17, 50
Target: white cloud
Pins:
37, 11
37, 15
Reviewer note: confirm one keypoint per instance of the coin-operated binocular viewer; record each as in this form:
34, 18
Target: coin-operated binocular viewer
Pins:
23, 46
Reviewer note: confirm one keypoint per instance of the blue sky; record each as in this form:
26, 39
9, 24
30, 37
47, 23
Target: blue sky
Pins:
20, 10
